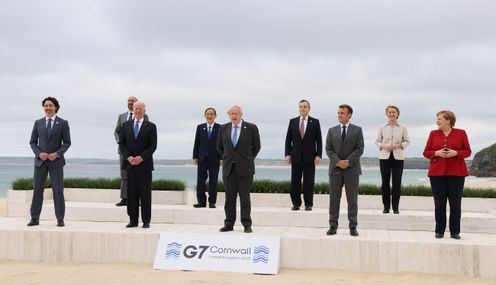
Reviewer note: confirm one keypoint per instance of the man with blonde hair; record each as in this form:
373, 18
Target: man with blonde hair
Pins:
238, 144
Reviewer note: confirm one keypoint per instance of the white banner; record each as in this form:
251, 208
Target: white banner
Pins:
226, 252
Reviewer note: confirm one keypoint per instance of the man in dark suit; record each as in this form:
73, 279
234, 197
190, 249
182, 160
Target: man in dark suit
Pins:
124, 117
138, 142
50, 139
206, 157
344, 146
303, 150
238, 144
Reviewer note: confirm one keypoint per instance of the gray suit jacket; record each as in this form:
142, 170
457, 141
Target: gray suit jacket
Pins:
351, 149
243, 155
120, 121
58, 141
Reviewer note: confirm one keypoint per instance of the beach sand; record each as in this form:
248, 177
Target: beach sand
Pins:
15, 272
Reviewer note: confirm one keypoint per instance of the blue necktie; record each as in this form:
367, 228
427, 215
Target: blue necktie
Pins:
209, 131
49, 127
235, 136
136, 129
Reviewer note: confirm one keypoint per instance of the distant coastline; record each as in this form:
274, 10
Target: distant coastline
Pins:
367, 162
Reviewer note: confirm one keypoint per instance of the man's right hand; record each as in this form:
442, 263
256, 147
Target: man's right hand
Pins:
43, 156
343, 164
288, 159
195, 161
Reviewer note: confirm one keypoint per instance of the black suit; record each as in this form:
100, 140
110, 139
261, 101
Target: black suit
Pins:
303, 152
238, 169
205, 151
139, 183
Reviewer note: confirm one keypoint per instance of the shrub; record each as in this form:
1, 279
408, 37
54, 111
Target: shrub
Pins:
99, 183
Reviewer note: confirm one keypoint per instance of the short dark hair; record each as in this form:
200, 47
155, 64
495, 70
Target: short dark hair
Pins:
210, 108
347, 107
53, 100
304, 101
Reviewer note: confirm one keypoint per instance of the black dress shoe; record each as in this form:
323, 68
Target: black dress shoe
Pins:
123, 202
146, 225
60, 223
33, 222
331, 231
295, 208
385, 211
308, 208
353, 232
456, 236
211, 205
248, 230
131, 225
396, 212
199, 205
226, 229
439, 235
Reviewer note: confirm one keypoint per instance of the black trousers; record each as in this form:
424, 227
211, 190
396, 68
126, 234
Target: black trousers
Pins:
447, 188
307, 171
207, 169
235, 185
388, 167
139, 189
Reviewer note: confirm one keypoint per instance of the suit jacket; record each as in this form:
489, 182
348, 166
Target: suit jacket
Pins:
351, 149
58, 141
144, 145
453, 166
120, 121
243, 155
306, 149
388, 136
205, 147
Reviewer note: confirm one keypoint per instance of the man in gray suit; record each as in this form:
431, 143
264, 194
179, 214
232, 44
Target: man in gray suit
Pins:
344, 146
238, 144
50, 139
124, 117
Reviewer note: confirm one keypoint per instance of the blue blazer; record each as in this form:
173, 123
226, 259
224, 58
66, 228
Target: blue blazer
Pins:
58, 141
204, 146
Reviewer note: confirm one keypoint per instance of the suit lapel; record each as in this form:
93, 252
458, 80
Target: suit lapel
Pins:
296, 126
349, 132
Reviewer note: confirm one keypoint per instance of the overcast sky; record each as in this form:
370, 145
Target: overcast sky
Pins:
181, 56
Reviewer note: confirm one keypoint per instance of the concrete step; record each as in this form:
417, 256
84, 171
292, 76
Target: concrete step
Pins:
387, 251
271, 216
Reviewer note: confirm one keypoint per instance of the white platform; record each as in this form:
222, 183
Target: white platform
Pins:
95, 232
301, 247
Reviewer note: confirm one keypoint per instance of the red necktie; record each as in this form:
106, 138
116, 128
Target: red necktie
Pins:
302, 128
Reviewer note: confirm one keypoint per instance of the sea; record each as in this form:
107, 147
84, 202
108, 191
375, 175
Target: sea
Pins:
12, 168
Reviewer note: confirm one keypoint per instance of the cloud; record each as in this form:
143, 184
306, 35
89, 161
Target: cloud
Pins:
182, 56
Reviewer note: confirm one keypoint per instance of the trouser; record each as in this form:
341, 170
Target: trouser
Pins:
235, 185
122, 161
139, 185
388, 167
447, 188
207, 169
350, 183
57, 180
307, 170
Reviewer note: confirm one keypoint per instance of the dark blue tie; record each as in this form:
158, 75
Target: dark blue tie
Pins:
209, 131
130, 117
49, 127
235, 136
136, 129
343, 134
